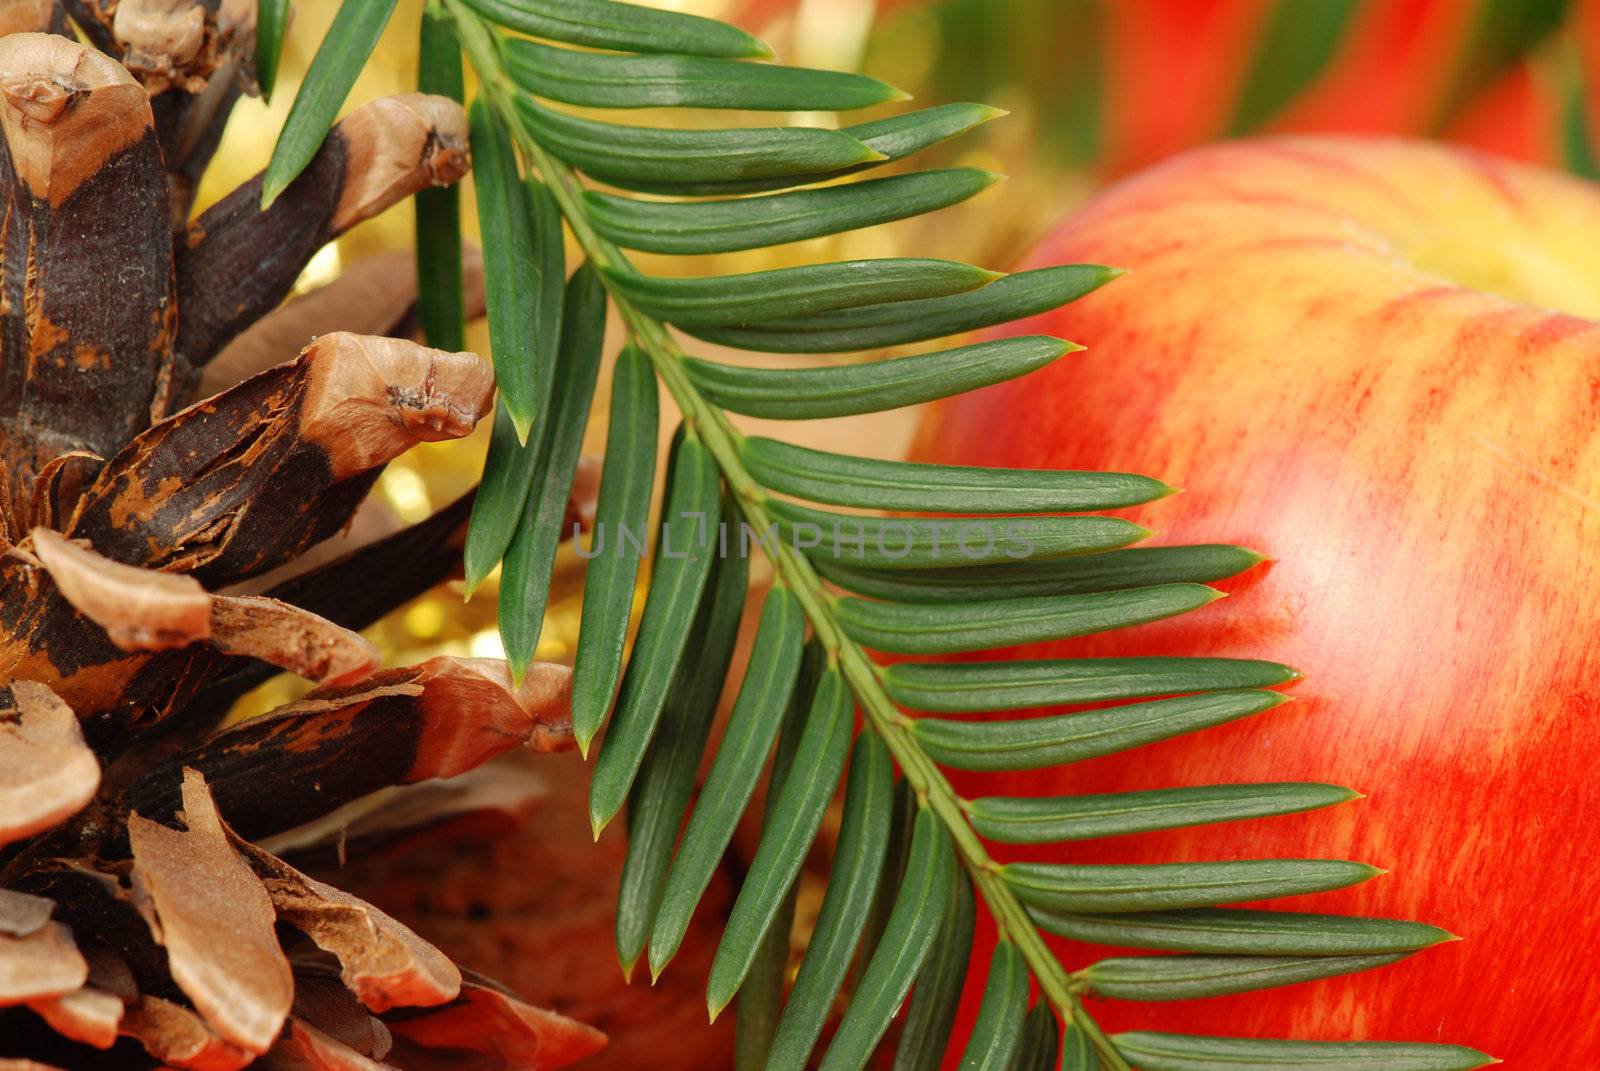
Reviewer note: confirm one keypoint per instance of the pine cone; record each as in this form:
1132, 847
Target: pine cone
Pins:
138, 917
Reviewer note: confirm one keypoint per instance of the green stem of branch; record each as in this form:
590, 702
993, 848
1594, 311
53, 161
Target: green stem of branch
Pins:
722, 439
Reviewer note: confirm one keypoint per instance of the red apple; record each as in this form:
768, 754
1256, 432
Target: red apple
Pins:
1377, 362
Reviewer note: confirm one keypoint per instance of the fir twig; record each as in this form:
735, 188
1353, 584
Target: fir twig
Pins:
721, 438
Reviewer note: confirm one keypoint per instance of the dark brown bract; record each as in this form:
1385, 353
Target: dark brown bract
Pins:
139, 923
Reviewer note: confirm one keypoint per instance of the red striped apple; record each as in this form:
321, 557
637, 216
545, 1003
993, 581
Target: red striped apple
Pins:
1377, 362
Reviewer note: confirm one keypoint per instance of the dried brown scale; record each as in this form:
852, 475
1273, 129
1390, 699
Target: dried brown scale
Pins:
201, 492
188, 494
25, 16
325, 1003
305, 1048
206, 907
177, 1036
290, 638
140, 609
57, 488
382, 963
43, 638
161, 42
144, 610
395, 146
436, 719
47, 773
353, 591
70, 112
487, 1028
93, 896
45, 963
21, 914
88, 1015
89, 893
375, 295
493, 800
181, 44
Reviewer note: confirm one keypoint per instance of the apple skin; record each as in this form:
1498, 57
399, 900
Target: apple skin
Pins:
1348, 352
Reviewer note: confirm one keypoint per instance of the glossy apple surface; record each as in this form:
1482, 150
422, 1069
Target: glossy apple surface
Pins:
1375, 361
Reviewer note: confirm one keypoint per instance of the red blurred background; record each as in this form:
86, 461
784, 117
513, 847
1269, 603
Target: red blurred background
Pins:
1115, 84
